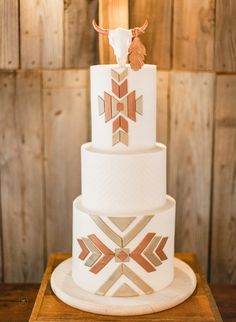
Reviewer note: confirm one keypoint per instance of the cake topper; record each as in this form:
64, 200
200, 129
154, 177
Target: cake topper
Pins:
126, 42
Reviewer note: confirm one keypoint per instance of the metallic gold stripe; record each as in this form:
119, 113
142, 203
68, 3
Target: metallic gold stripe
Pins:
149, 251
125, 290
101, 107
134, 232
119, 76
108, 106
159, 251
107, 230
123, 137
110, 281
139, 105
104, 249
115, 138
122, 222
96, 254
136, 280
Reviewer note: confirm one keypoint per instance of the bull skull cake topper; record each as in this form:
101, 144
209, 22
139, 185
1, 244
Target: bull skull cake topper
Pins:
126, 42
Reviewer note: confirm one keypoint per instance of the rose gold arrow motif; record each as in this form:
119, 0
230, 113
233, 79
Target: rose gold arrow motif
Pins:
120, 102
84, 249
137, 253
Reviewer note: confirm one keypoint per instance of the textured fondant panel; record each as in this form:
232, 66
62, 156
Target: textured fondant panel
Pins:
133, 182
112, 81
139, 256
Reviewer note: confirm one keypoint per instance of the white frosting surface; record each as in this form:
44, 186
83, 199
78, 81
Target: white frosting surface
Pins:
162, 223
142, 133
123, 183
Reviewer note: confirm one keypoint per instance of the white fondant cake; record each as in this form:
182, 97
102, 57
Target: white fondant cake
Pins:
126, 182
123, 223
141, 85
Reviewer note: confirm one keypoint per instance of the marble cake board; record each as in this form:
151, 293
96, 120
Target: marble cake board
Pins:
179, 290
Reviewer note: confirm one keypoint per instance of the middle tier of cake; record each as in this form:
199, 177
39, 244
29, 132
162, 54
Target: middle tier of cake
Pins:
126, 182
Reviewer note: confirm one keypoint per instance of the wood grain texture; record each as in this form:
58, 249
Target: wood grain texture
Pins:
22, 197
9, 34
225, 38
193, 34
112, 14
190, 157
41, 33
162, 106
17, 301
199, 307
224, 184
1, 240
66, 127
157, 37
81, 40
225, 297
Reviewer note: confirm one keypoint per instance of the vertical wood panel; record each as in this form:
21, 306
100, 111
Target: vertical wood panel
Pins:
81, 40
9, 34
162, 106
1, 233
21, 176
41, 33
225, 40
112, 14
193, 34
191, 117
223, 266
157, 37
66, 123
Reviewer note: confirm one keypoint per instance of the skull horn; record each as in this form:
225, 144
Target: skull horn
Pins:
99, 29
138, 30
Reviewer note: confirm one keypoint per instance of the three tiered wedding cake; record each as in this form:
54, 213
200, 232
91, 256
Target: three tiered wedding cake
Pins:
123, 222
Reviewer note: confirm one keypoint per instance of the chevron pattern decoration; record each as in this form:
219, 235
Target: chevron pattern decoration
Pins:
149, 252
120, 102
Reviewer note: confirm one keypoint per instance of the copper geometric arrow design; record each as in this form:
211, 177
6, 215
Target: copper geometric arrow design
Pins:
149, 253
121, 103
159, 251
108, 254
136, 254
120, 122
85, 250
95, 253
119, 90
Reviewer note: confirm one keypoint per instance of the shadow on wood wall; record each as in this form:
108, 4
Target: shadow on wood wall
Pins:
46, 48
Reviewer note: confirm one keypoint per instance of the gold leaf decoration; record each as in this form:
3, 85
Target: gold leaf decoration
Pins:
137, 53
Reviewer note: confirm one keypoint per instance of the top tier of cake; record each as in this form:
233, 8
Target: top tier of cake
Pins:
123, 104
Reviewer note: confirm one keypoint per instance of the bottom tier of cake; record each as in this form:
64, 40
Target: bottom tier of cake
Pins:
123, 256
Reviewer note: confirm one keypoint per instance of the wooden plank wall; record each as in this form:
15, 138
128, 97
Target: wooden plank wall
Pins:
44, 118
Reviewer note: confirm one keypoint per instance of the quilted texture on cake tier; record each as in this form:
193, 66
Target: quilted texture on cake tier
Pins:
123, 182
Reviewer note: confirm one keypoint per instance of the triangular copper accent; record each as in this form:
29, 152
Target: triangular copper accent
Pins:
125, 290
121, 222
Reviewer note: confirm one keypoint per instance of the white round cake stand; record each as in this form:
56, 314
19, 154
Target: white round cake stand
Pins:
179, 290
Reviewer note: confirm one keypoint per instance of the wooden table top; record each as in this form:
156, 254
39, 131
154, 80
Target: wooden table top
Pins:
17, 300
